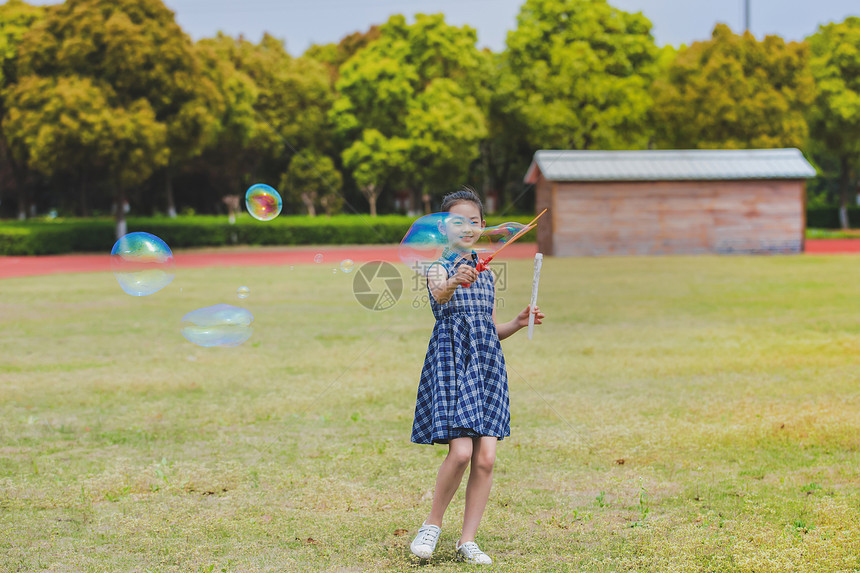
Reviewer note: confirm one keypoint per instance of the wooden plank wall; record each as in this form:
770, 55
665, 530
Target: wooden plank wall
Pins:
673, 217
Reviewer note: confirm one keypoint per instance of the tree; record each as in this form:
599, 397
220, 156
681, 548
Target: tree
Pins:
335, 55
584, 69
312, 177
71, 125
136, 48
734, 92
388, 86
445, 126
276, 104
375, 162
16, 18
835, 116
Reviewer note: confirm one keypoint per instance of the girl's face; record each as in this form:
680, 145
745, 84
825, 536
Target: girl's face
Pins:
464, 228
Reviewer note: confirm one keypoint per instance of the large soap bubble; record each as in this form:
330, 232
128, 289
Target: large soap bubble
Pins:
430, 235
142, 263
493, 238
263, 202
218, 325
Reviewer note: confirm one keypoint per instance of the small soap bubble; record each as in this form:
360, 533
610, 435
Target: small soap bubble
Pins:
291, 267
219, 325
243, 292
318, 258
142, 263
334, 270
263, 202
347, 265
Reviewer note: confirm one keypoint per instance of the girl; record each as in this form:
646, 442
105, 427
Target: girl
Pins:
463, 392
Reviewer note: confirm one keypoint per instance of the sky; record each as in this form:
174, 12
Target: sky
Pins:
304, 22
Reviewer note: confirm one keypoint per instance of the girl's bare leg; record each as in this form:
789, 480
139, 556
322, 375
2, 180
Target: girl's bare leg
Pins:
449, 477
478, 488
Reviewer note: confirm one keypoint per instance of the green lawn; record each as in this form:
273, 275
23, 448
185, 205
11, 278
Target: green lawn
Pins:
673, 414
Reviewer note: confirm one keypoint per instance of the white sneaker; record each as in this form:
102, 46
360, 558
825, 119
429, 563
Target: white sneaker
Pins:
470, 553
425, 542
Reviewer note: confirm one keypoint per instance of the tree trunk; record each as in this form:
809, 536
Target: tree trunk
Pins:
85, 208
371, 193
308, 200
372, 201
19, 174
171, 205
416, 201
121, 226
844, 188
22, 203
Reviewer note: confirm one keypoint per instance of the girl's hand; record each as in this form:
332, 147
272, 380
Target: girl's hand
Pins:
522, 319
465, 274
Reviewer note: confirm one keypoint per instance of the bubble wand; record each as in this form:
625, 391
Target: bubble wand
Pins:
483, 264
535, 283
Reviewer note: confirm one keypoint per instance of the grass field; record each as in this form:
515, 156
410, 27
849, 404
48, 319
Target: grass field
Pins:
672, 414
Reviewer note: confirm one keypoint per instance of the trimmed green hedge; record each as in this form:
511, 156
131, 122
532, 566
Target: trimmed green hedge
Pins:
94, 235
43, 237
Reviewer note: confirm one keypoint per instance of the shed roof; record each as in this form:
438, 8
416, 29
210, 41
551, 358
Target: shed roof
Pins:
669, 165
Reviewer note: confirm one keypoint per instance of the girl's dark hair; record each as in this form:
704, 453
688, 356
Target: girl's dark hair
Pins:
464, 194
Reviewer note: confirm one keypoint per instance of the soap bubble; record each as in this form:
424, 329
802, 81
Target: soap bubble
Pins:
318, 258
243, 292
142, 263
493, 238
430, 235
263, 202
218, 325
347, 265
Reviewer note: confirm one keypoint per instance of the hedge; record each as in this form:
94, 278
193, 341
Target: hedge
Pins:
48, 237
97, 235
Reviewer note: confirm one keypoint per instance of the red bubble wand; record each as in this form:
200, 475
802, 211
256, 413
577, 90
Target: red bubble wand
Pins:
483, 264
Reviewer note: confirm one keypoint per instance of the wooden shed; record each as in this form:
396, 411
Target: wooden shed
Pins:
671, 202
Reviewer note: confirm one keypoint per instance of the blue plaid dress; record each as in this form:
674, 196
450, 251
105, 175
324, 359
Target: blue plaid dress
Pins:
463, 390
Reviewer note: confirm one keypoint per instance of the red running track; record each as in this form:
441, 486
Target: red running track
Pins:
273, 256
226, 257
832, 246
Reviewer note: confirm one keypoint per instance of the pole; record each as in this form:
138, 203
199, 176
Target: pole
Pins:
533, 302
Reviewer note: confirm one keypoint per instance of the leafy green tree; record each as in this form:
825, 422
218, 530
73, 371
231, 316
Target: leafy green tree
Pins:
376, 162
734, 92
389, 86
505, 151
584, 69
70, 124
313, 178
335, 55
228, 158
16, 18
135, 48
275, 106
835, 116
445, 126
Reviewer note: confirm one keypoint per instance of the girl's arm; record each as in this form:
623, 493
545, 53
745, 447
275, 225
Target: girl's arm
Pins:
506, 329
442, 286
